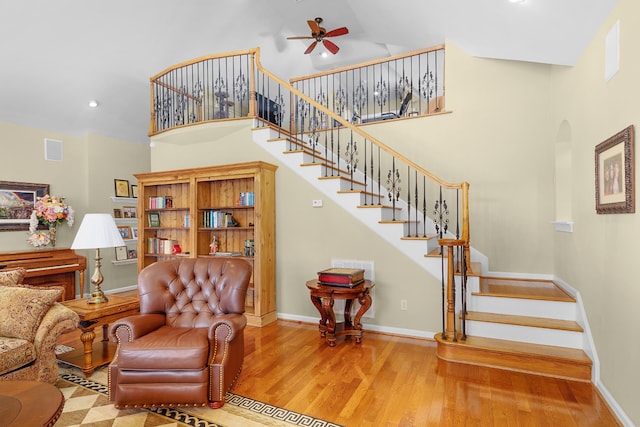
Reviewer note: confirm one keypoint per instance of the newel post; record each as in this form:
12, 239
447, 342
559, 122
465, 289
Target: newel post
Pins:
450, 330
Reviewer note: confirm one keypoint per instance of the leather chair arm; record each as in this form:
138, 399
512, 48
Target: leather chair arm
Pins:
131, 327
235, 323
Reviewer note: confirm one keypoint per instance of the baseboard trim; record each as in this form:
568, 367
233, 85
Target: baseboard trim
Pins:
411, 333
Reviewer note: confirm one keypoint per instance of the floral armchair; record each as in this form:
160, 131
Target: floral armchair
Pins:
31, 320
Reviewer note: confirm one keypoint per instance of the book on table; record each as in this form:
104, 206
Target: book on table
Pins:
347, 277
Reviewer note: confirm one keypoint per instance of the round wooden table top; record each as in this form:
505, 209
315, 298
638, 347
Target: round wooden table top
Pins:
29, 403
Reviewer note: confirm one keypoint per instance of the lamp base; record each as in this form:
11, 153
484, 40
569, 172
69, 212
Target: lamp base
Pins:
97, 297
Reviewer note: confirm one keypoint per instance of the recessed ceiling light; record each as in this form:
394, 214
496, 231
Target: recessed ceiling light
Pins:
516, 1
93, 103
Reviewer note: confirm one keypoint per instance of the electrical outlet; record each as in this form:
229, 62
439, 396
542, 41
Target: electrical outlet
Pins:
403, 304
316, 203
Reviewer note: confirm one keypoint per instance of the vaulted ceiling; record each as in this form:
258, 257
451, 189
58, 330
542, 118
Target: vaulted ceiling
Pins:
57, 55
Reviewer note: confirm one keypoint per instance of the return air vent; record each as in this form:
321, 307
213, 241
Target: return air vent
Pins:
52, 150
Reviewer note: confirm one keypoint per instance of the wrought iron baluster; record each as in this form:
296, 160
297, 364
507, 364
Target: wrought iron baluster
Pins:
393, 189
351, 158
441, 213
424, 206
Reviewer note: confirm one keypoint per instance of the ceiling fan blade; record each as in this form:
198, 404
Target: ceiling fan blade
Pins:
315, 27
310, 48
331, 47
300, 38
337, 32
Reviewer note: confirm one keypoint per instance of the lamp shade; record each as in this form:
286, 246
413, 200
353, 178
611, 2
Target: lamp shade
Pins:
97, 231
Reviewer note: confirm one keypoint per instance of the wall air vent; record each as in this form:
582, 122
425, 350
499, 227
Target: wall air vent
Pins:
52, 150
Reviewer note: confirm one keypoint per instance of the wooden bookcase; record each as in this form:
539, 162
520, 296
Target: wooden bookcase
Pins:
189, 208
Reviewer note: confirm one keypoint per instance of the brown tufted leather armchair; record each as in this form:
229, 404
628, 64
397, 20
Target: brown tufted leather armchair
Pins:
186, 347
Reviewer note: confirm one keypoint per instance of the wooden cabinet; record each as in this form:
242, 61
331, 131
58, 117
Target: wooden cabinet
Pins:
234, 205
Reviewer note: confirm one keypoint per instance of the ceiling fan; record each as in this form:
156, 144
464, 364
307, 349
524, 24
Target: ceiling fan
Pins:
319, 33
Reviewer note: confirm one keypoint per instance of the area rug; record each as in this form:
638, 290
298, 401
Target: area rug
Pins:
87, 404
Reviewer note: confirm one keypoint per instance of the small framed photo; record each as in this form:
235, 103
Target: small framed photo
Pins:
122, 187
154, 219
121, 253
117, 213
132, 254
615, 174
134, 190
134, 232
125, 232
130, 211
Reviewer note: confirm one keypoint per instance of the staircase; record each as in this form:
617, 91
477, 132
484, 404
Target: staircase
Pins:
526, 325
516, 324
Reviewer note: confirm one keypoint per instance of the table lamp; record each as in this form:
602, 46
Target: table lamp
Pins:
97, 231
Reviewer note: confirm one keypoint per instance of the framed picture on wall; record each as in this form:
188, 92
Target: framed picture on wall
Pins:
17, 200
130, 211
121, 253
125, 231
122, 187
615, 173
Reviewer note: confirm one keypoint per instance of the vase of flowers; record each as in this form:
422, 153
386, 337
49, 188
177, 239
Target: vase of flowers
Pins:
49, 211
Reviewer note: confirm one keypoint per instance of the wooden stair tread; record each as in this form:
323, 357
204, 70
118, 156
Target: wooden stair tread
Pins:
537, 322
378, 206
560, 362
342, 177
523, 288
427, 237
538, 350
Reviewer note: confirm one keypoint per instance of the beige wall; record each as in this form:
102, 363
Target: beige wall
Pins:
599, 257
84, 177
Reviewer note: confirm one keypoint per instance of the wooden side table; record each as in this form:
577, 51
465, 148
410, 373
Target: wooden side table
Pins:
93, 355
323, 296
29, 403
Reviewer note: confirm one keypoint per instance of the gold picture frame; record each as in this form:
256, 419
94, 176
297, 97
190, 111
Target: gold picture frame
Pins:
122, 187
615, 173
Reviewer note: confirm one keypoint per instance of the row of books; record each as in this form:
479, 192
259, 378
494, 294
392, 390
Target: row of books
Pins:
160, 202
157, 245
246, 198
217, 219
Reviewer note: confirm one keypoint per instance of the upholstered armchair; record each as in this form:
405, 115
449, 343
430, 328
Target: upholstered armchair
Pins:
186, 347
31, 320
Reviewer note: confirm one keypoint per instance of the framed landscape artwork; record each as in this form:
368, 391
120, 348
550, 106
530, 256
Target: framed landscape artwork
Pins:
17, 200
615, 173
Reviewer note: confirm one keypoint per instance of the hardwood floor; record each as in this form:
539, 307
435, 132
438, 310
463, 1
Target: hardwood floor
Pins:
398, 381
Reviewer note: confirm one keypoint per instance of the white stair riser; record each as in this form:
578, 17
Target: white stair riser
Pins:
523, 307
526, 334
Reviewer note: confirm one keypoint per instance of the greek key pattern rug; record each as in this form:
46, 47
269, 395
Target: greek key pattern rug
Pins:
87, 404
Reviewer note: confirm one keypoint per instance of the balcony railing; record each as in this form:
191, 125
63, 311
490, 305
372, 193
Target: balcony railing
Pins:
233, 86
399, 86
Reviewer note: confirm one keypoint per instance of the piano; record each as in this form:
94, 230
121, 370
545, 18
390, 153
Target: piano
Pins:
49, 267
